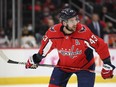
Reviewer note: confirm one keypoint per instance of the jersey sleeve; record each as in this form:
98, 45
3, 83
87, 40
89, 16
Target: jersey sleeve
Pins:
98, 44
47, 45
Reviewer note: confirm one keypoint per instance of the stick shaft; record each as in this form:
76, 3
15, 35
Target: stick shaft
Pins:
48, 65
4, 57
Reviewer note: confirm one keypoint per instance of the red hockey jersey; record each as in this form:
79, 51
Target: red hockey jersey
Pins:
72, 48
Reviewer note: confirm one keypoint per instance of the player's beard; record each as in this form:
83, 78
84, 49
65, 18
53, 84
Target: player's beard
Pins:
73, 29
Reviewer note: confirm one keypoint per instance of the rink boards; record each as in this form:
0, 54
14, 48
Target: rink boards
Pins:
17, 74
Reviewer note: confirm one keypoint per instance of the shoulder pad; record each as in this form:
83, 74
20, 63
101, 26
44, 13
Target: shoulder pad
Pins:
54, 31
82, 28
82, 31
55, 28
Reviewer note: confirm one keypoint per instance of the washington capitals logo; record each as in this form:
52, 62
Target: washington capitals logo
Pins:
71, 53
52, 29
82, 30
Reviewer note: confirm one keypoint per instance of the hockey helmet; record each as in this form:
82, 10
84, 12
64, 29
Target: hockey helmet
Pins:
67, 13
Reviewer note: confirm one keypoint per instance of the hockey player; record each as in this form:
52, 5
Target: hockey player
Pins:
69, 38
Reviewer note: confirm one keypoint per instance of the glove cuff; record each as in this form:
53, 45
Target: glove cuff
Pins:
107, 67
108, 62
37, 58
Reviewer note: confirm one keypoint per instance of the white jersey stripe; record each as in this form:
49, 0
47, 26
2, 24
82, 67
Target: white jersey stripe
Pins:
47, 48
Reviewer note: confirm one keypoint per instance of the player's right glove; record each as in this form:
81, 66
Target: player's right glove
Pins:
33, 61
107, 71
108, 68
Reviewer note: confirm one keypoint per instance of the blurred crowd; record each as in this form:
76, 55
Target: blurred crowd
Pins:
46, 15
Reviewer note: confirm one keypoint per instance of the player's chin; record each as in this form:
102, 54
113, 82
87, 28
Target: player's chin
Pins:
74, 29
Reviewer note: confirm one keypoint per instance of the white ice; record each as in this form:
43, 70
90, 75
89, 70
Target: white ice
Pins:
69, 85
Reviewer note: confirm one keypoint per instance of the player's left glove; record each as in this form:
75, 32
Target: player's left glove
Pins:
33, 61
107, 71
31, 64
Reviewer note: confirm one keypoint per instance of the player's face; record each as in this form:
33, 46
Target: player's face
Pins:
72, 23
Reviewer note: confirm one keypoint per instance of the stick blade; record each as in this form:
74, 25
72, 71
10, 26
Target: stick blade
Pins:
15, 62
3, 56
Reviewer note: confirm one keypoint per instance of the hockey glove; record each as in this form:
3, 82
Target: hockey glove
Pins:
107, 71
33, 61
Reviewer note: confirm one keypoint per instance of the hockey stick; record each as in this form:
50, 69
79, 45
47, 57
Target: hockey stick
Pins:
5, 58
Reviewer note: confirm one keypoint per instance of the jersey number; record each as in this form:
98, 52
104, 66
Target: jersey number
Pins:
93, 39
45, 38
